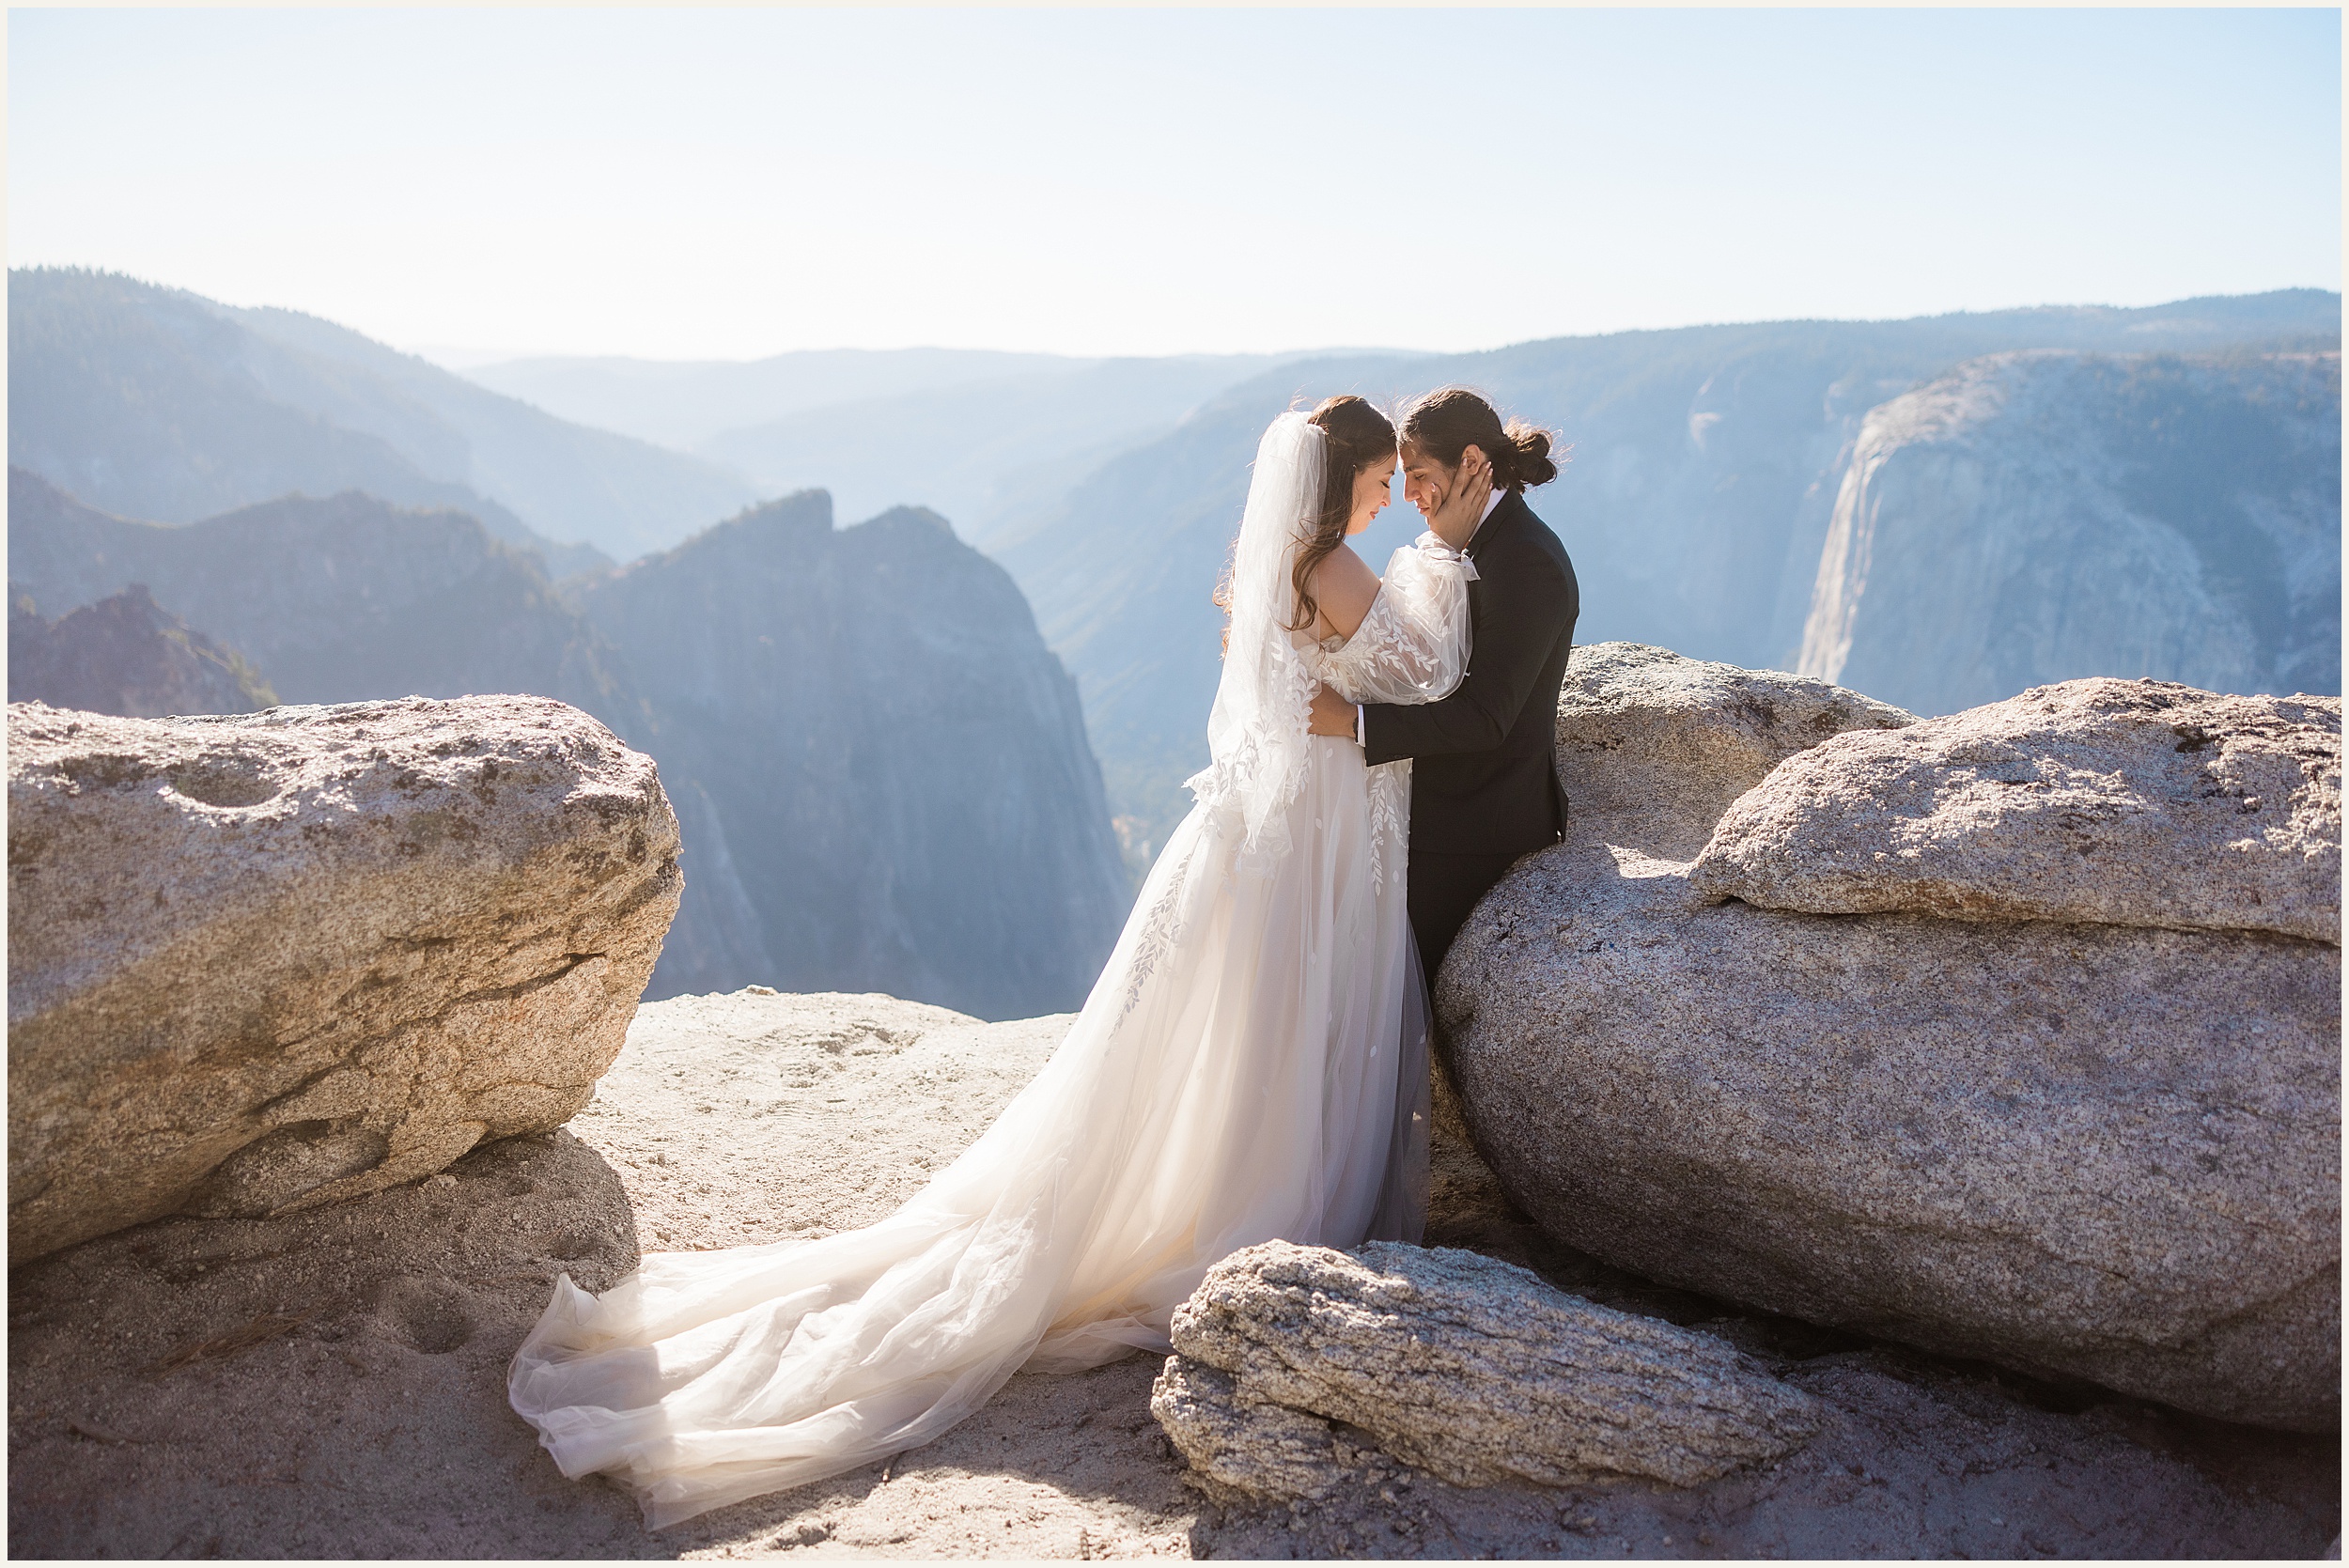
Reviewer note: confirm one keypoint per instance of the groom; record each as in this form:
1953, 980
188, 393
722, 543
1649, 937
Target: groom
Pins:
1484, 785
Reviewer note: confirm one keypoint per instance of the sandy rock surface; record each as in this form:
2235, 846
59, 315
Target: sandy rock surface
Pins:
331, 1383
2123, 802
2080, 1150
278, 959
1473, 1369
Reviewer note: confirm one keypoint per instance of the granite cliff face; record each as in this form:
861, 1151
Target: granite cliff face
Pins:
882, 771
2036, 516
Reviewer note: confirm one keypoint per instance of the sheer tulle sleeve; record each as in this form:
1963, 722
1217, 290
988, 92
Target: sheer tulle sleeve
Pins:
1413, 644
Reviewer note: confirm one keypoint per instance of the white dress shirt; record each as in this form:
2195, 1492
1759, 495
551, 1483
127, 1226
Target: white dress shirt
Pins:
1490, 502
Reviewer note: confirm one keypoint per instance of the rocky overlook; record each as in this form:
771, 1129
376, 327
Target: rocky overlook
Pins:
331, 1382
2002, 1225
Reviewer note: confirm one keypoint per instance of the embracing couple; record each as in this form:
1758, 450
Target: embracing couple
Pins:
1251, 1064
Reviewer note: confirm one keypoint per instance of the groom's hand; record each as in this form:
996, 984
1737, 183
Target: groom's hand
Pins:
1457, 514
1333, 715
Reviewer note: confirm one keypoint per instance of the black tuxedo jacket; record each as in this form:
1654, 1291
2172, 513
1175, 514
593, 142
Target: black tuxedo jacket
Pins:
1484, 778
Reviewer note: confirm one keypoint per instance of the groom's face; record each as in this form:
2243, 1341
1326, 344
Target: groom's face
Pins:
1426, 482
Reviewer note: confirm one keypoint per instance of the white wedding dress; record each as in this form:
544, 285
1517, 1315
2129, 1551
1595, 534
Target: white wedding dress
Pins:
1251, 1065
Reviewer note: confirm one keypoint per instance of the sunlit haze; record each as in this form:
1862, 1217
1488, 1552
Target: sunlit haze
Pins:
734, 183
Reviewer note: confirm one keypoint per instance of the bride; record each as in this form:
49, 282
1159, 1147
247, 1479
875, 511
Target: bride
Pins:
1251, 1065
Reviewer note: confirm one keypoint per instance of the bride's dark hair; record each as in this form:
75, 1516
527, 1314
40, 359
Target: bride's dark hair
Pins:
1449, 421
1353, 435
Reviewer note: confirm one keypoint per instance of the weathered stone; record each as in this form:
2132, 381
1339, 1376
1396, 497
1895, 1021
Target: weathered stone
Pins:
2126, 803
1657, 746
2081, 1150
265, 962
1240, 1448
1463, 1365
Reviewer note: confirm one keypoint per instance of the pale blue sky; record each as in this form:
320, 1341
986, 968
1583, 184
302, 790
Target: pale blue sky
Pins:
736, 182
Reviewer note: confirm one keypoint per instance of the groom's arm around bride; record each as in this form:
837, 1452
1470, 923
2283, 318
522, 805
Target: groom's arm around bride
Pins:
1484, 781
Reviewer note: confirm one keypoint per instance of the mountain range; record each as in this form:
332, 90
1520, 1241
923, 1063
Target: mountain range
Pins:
158, 403
1718, 480
879, 769
987, 440
1701, 476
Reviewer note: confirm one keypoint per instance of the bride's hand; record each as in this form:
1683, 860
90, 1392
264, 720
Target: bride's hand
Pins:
1464, 508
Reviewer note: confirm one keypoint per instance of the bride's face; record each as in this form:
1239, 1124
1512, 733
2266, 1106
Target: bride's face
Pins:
1373, 489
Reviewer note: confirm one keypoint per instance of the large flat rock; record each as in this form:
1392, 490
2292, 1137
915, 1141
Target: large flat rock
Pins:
331, 1382
269, 961
2078, 1149
2121, 803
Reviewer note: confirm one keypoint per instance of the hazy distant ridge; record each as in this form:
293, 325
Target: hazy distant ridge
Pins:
155, 402
682, 403
991, 441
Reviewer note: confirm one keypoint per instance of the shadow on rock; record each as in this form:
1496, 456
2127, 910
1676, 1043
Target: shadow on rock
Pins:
327, 1384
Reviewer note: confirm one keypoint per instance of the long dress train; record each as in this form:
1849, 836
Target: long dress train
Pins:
1251, 1065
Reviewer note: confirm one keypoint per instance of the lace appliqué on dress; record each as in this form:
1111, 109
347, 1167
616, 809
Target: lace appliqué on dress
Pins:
1390, 818
1411, 646
1161, 931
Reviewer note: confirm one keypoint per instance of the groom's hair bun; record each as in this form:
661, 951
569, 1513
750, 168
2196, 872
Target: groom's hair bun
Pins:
1450, 420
